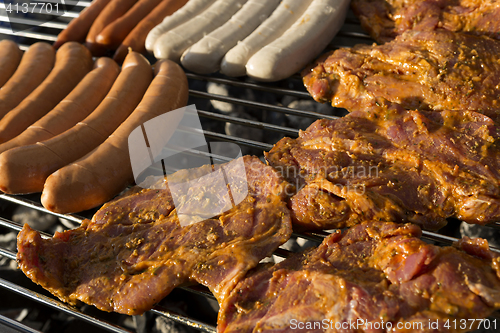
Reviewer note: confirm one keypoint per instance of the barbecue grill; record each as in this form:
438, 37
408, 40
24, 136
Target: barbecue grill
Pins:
267, 106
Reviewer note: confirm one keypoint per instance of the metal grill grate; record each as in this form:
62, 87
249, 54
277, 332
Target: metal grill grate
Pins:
350, 34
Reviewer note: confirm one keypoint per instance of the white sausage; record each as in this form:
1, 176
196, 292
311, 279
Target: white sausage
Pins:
298, 46
191, 9
287, 12
205, 56
173, 43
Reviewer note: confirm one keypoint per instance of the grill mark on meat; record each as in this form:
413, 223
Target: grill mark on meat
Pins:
134, 252
427, 167
426, 70
385, 19
375, 271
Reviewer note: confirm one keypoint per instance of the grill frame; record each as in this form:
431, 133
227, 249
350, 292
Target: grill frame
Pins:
350, 34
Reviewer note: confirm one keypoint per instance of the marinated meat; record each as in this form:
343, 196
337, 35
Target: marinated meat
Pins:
425, 70
385, 19
134, 251
377, 277
402, 166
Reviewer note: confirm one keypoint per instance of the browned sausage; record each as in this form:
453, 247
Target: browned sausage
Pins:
103, 173
73, 108
136, 39
110, 13
73, 62
10, 57
24, 169
112, 36
79, 27
35, 65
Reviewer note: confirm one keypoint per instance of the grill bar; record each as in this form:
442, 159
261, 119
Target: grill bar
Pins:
8, 254
36, 206
36, 23
241, 141
47, 31
250, 123
353, 34
50, 302
250, 85
28, 34
10, 225
199, 290
184, 320
16, 325
72, 2
261, 106
17, 227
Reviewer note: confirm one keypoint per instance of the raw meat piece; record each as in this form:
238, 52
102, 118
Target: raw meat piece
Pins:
394, 165
375, 277
385, 19
134, 251
425, 70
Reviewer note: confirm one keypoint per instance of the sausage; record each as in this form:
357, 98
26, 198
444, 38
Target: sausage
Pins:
79, 27
173, 43
190, 10
102, 174
205, 56
303, 41
110, 13
10, 57
137, 37
24, 169
35, 65
287, 12
114, 34
73, 108
73, 62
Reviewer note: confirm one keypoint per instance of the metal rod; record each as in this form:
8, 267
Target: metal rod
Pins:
245, 142
42, 299
8, 254
198, 289
33, 205
200, 326
250, 85
312, 236
29, 34
353, 34
19, 327
447, 239
250, 123
282, 253
262, 106
37, 23
17, 227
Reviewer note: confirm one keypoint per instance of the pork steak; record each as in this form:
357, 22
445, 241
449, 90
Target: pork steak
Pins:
397, 165
425, 70
376, 277
134, 251
385, 19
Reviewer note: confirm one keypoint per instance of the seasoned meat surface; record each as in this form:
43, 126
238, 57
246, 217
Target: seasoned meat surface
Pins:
397, 165
376, 277
134, 251
425, 70
385, 19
